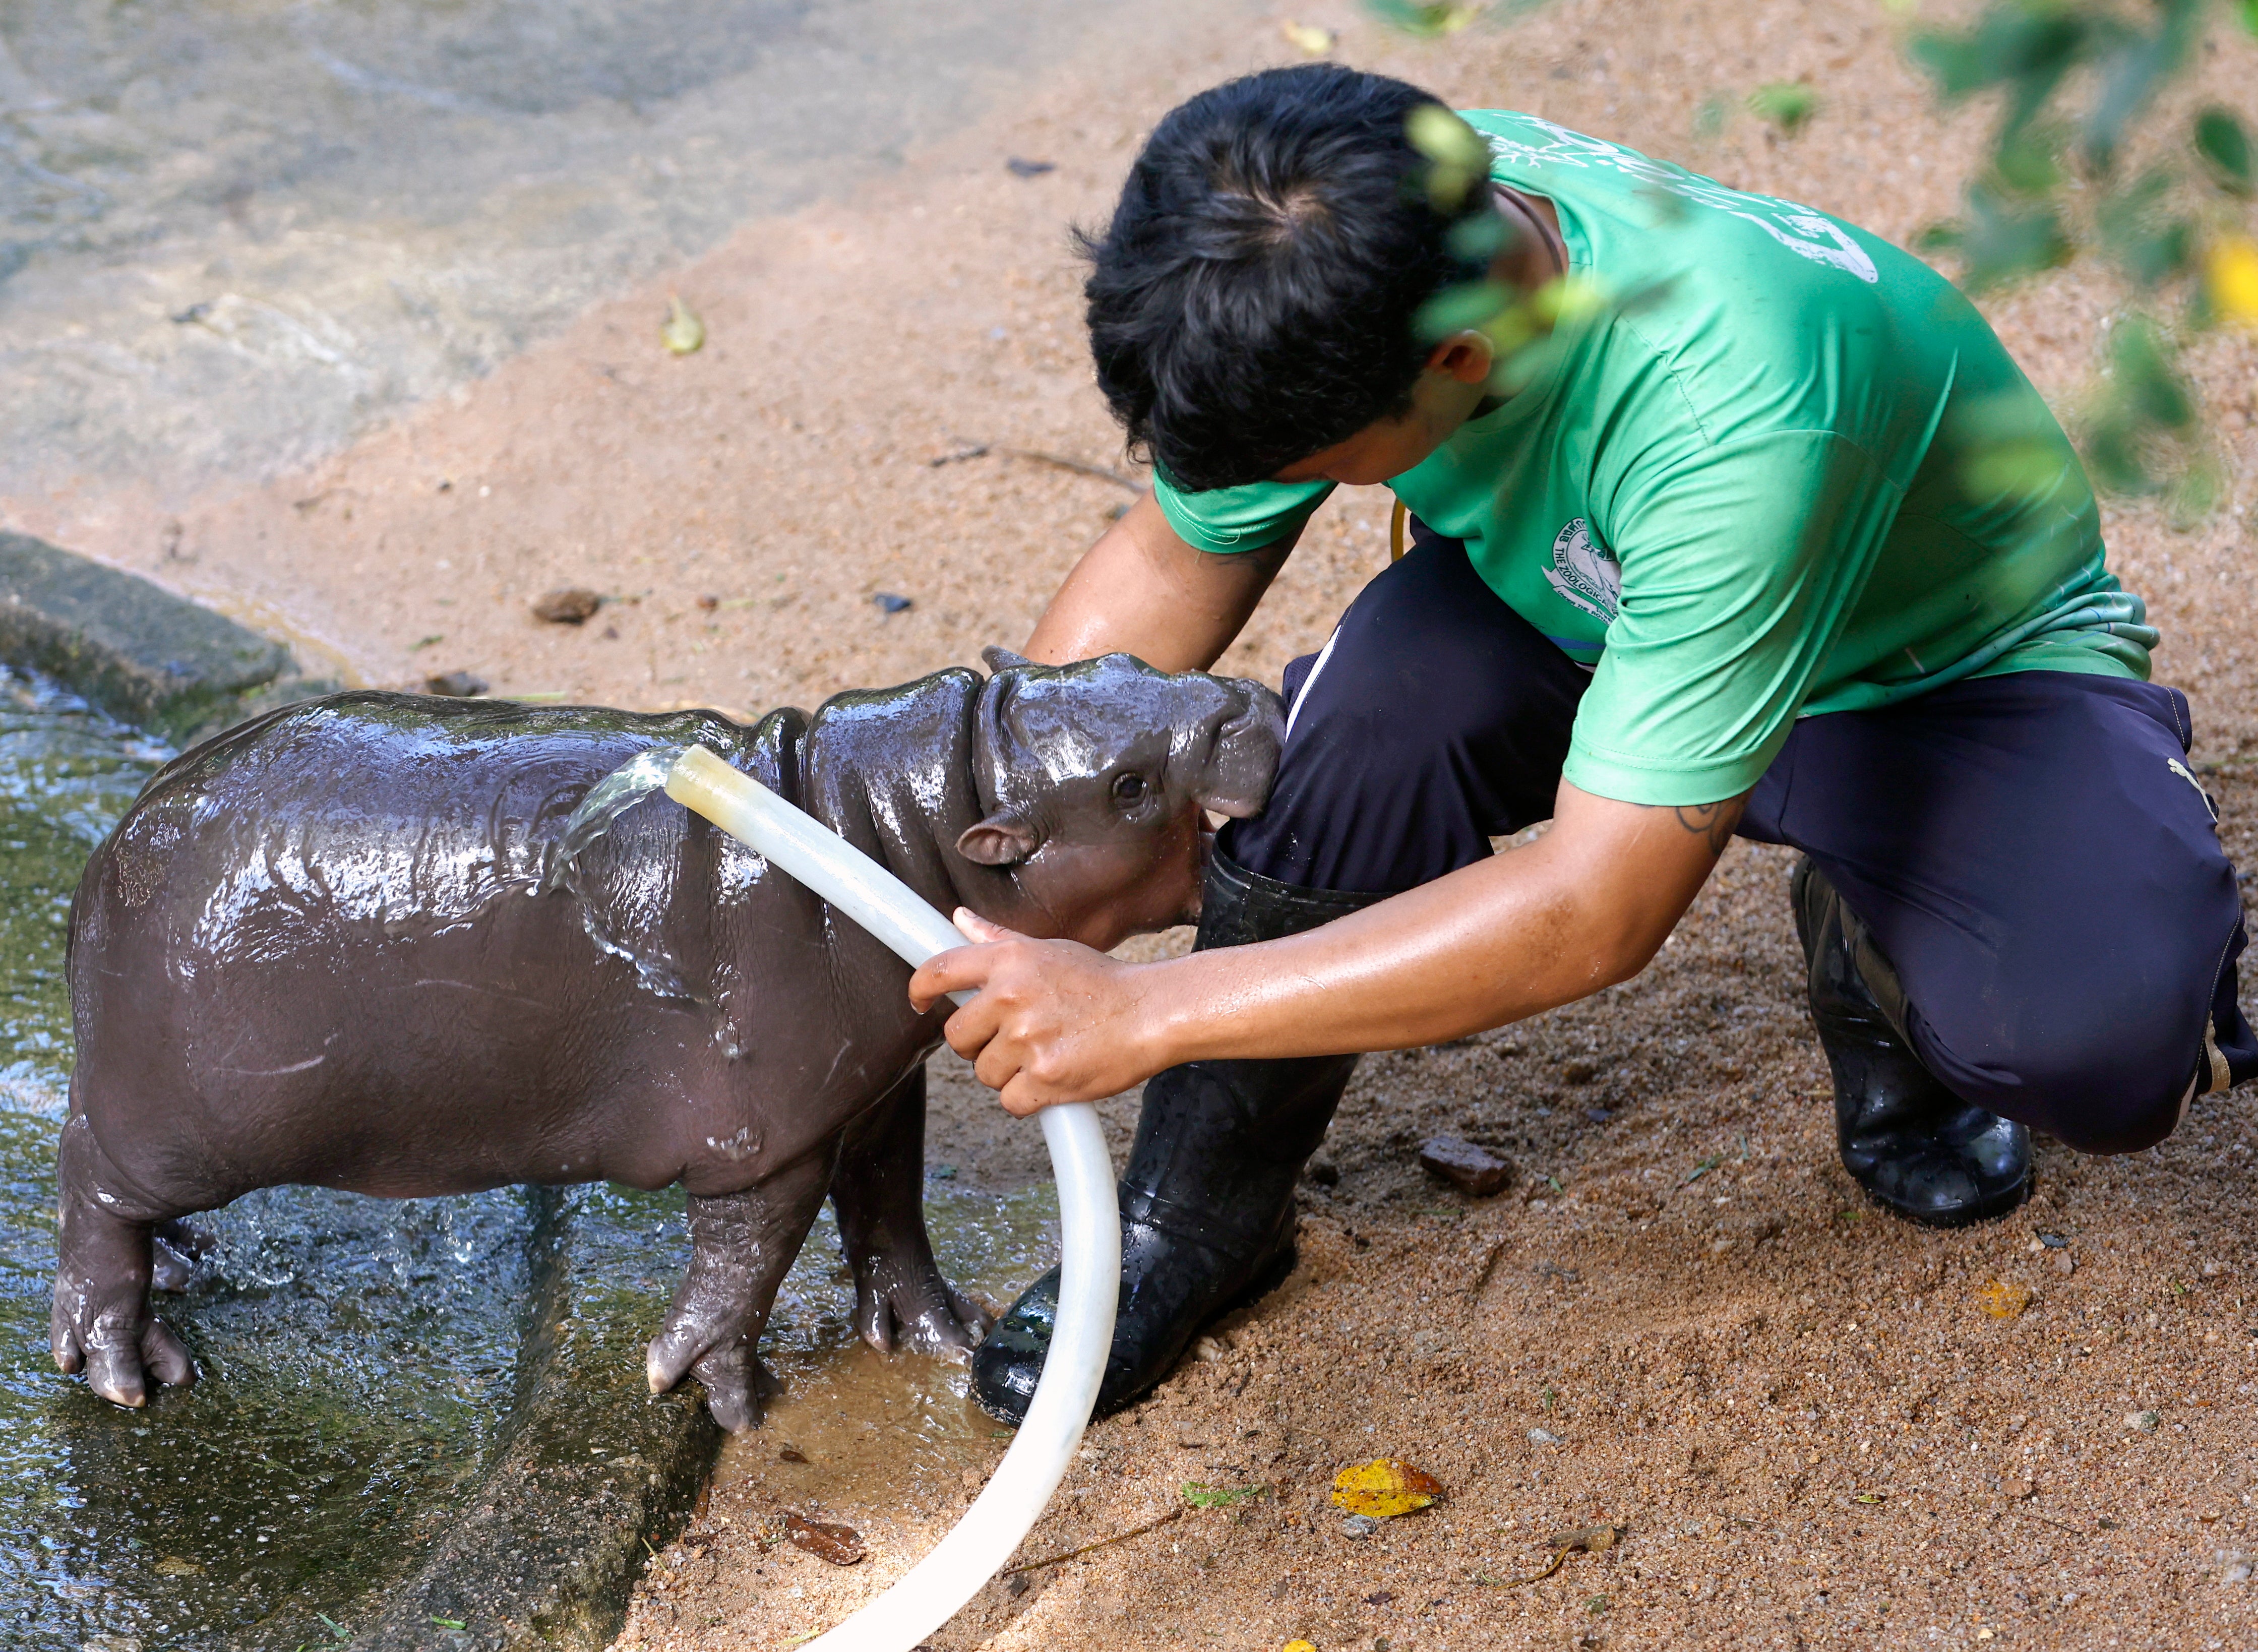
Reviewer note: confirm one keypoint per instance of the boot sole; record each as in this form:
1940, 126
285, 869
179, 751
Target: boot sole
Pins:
1990, 1209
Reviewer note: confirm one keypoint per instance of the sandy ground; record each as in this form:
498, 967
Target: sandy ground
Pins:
1810, 1428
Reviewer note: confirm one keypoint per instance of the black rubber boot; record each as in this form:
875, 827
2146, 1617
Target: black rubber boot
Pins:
1914, 1145
1207, 1202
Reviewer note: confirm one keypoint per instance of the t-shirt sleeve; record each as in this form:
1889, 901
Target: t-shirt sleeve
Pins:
1229, 519
1740, 566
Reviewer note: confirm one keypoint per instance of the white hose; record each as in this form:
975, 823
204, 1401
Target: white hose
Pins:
1089, 1265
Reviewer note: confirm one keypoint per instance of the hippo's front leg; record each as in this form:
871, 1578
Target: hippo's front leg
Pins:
740, 1246
899, 1293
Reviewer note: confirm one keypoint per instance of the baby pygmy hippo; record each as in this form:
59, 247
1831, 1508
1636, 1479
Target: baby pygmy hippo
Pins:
338, 946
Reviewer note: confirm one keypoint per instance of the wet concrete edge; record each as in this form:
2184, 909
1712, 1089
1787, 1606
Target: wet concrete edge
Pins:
589, 1475
592, 1476
135, 649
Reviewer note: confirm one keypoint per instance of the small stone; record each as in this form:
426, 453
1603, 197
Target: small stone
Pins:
1718, 1247
1208, 1349
1585, 1540
1016, 1583
2212, 1270
568, 605
1020, 169
2234, 1566
707, 603
1597, 1115
1378, 1598
1190, 1436
1324, 1172
790, 1454
460, 686
1357, 1528
2063, 1263
1543, 1437
888, 602
2053, 1241
841, 1545
1471, 1169
2144, 1422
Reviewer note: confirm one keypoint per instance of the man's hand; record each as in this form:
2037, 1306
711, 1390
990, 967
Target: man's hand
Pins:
1055, 1021
1584, 907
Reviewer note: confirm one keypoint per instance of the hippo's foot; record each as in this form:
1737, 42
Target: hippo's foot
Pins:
740, 1245
902, 1301
101, 1324
174, 1249
738, 1386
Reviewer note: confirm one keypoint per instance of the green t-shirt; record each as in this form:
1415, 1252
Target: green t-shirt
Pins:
1759, 490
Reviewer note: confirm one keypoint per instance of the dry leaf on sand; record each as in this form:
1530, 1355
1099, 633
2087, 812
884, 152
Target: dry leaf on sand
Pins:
1385, 1487
841, 1545
2006, 1300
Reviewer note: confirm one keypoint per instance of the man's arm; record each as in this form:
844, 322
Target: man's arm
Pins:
1585, 906
1142, 590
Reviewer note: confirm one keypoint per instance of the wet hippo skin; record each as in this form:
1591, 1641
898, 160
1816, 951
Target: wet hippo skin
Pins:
338, 946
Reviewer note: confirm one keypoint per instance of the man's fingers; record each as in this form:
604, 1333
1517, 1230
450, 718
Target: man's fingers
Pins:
955, 970
974, 927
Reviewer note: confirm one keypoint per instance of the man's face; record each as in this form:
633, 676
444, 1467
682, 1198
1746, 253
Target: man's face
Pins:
1453, 385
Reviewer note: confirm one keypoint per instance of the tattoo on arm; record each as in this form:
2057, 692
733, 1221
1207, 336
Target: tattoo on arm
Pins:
1714, 821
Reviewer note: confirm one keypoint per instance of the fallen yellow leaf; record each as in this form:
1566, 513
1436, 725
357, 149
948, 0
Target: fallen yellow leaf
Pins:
2004, 1300
1385, 1487
2230, 268
1298, 1645
682, 332
1314, 40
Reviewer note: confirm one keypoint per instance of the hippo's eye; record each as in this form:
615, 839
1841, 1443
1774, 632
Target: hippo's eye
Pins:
1129, 789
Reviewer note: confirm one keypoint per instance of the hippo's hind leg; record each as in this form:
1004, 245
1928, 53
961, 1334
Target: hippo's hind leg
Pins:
740, 1246
900, 1293
102, 1323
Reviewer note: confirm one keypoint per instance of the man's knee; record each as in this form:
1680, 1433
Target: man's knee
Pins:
2109, 1078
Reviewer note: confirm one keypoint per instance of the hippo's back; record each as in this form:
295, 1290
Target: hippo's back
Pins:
373, 807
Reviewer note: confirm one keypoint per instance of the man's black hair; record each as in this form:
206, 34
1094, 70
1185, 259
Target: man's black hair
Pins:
1252, 302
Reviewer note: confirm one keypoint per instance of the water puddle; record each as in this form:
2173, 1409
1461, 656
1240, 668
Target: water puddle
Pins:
361, 1357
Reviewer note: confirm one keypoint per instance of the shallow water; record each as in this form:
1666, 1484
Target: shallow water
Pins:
234, 234
360, 1355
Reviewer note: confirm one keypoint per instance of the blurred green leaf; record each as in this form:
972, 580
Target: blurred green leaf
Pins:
2025, 47
1457, 158
2028, 162
1423, 19
1788, 104
2141, 239
2133, 67
2225, 148
2000, 242
1456, 309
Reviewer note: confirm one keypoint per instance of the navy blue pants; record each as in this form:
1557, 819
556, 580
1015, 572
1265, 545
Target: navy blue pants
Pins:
2031, 851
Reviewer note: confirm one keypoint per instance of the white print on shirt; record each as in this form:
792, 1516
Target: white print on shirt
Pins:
1585, 571
1797, 228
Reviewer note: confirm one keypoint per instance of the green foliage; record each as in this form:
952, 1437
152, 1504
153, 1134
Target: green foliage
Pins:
1788, 104
2076, 81
2075, 84
2225, 148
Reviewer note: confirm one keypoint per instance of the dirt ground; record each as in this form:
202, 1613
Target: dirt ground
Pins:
1681, 1319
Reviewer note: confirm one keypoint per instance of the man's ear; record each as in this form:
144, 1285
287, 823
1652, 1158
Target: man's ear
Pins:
1466, 356
1002, 659
998, 841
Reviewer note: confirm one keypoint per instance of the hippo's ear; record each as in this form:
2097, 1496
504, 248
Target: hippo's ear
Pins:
1002, 659
1244, 760
998, 841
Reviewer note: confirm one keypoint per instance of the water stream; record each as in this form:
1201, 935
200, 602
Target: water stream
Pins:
360, 1357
